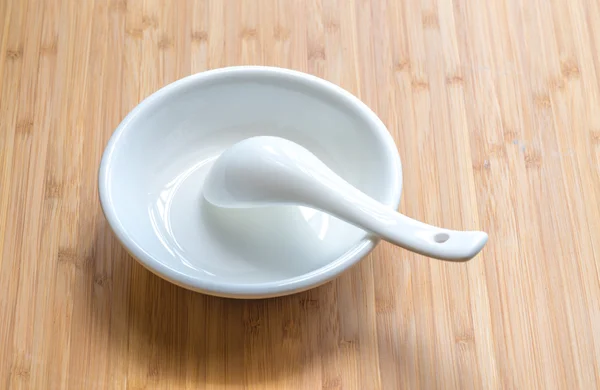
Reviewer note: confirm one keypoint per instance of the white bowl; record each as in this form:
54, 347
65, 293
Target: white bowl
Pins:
153, 168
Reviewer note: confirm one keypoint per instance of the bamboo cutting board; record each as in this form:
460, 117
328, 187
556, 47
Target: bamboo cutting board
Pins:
495, 108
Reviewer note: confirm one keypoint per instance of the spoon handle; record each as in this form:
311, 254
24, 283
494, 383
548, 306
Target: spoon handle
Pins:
428, 240
359, 209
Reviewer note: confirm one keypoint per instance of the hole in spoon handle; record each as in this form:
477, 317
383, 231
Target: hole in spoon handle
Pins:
441, 238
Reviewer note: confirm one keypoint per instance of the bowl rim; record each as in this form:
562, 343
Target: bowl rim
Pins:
255, 290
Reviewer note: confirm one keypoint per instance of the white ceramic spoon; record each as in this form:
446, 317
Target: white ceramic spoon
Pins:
264, 171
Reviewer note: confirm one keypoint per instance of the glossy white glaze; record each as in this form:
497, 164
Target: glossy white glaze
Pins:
153, 170
266, 171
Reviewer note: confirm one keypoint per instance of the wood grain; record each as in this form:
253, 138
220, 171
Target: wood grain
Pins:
495, 107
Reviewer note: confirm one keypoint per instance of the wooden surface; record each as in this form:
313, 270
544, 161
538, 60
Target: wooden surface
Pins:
495, 107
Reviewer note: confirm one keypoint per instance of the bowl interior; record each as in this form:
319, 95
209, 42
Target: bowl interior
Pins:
155, 164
